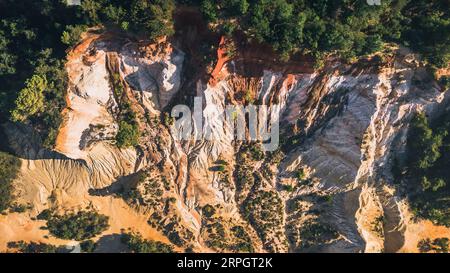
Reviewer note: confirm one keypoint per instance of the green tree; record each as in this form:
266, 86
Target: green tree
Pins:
128, 135
78, 226
137, 244
72, 34
209, 10
91, 9
372, 44
9, 167
424, 144
426, 168
208, 210
33, 247
7, 59
30, 99
115, 14
88, 246
152, 16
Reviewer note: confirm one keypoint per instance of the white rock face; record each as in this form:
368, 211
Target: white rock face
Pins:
88, 95
157, 79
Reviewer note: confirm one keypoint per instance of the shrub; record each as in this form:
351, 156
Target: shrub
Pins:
300, 175
220, 168
19, 208
256, 152
78, 226
439, 245
128, 135
168, 120
9, 167
426, 169
244, 243
314, 233
264, 210
137, 244
31, 99
221, 162
33, 247
288, 188
208, 210
72, 34
88, 246
44, 215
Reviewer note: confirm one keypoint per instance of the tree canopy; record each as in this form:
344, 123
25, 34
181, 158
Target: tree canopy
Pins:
427, 174
9, 167
31, 99
78, 226
348, 28
137, 244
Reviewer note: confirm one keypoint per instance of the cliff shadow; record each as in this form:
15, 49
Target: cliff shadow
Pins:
111, 244
118, 187
24, 142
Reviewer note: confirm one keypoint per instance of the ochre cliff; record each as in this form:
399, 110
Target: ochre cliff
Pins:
339, 126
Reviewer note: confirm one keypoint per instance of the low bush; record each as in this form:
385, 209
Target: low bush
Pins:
78, 226
9, 167
137, 244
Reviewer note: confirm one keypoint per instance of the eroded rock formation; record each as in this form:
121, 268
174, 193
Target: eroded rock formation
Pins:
332, 172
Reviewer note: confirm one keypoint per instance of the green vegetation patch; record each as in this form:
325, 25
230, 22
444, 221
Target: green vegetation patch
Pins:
72, 35
264, 210
33, 247
9, 167
128, 135
221, 234
78, 226
348, 28
427, 176
439, 245
137, 244
88, 246
314, 233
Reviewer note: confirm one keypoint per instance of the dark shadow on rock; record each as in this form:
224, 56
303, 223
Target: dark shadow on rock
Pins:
133, 81
147, 72
217, 168
25, 143
119, 186
111, 244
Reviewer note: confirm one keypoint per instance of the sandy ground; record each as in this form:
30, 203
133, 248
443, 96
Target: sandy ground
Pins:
422, 230
19, 226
